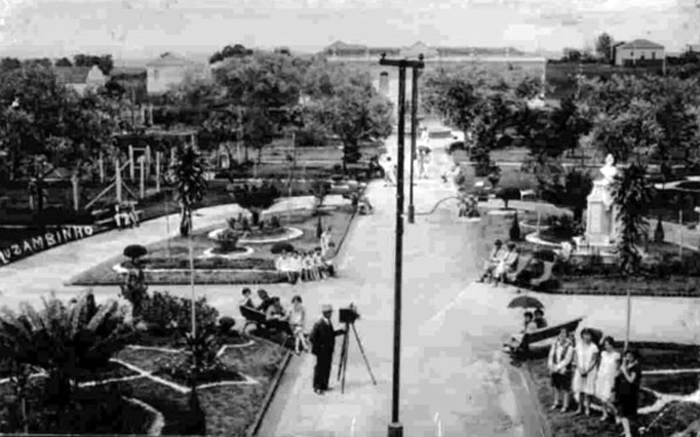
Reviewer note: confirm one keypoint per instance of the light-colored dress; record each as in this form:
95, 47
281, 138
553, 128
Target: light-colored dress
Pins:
607, 371
297, 319
585, 356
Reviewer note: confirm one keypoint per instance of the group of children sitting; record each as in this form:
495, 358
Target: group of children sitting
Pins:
502, 262
304, 266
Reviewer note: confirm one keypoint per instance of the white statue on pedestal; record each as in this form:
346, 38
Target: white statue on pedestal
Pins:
609, 172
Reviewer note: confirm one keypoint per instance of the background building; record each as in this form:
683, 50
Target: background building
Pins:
81, 78
170, 70
638, 52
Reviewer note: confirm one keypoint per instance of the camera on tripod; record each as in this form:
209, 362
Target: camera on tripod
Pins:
349, 315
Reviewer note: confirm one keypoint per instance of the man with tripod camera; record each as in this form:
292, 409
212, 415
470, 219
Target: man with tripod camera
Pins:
323, 345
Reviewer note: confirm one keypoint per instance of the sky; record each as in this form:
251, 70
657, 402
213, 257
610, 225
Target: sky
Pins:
146, 28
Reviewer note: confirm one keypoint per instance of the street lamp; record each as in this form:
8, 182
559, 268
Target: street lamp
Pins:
395, 427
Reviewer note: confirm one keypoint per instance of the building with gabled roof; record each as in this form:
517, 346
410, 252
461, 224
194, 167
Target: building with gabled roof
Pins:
81, 78
638, 52
170, 70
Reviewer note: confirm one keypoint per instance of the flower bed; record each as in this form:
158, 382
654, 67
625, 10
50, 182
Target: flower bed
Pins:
95, 410
170, 368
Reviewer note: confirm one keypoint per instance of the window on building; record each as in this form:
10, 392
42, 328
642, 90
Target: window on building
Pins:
641, 56
632, 54
653, 55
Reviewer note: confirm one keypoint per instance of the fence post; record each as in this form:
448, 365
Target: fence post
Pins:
132, 167
142, 174
158, 157
118, 183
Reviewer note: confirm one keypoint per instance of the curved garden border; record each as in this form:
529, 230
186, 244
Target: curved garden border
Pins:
209, 253
292, 234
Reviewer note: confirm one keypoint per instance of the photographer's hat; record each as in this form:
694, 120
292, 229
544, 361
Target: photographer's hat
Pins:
326, 307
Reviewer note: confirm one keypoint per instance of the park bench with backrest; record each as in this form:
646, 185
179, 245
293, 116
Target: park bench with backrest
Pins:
545, 334
264, 326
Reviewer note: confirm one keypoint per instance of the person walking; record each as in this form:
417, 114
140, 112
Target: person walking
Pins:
587, 356
561, 356
322, 346
627, 390
607, 373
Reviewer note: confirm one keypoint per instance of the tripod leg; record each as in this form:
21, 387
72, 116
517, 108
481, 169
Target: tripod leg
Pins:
362, 351
345, 360
343, 355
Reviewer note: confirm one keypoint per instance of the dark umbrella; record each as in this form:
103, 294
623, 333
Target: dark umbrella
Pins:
525, 302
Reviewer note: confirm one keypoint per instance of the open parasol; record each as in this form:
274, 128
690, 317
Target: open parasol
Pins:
525, 302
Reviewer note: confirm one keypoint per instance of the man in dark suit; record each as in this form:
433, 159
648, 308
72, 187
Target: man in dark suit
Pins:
323, 345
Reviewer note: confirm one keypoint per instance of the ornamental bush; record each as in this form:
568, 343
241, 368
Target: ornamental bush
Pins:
135, 251
282, 247
167, 313
659, 232
508, 193
515, 229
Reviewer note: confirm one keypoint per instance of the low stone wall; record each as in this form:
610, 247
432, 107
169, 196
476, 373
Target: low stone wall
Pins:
182, 277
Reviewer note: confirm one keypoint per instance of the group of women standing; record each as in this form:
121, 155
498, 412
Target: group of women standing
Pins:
305, 267
588, 372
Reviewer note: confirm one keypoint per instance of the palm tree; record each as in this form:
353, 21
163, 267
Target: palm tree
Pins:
64, 340
632, 195
188, 171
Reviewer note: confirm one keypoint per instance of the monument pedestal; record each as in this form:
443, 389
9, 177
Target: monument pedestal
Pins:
601, 229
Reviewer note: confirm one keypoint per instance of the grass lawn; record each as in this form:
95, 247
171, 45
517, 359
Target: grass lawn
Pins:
174, 253
677, 417
231, 409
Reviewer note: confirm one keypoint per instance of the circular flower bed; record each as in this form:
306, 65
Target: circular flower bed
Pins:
265, 236
238, 252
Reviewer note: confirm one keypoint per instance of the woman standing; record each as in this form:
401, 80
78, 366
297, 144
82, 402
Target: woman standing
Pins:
560, 358
627, 389
607, 373
586, 372
297, 321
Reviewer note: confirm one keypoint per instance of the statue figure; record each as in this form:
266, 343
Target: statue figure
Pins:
609, 172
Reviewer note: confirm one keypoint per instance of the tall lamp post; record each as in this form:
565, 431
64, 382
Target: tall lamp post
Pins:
395, 427
414, 127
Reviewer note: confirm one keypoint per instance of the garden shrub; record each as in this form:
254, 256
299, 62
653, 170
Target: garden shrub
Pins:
275, 222
515, 229
281, 247
226, 324
659, 232
135, 251
166, 313
508, 193
228, 240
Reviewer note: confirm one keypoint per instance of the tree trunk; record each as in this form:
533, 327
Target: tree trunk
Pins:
185, 221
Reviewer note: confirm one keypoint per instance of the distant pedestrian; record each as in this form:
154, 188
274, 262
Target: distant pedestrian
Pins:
297, 322
323, 345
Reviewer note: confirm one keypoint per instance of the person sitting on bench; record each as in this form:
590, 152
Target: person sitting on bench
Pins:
133, 216
497, 253
121, 218
246, 300
265, 301
508, 263
539, 319
516, 340
276, 317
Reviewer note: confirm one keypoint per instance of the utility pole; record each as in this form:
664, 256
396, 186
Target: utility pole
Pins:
395, 427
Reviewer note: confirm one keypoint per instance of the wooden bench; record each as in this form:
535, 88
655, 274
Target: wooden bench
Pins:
543, 334
259, 319
548, 332
512, 277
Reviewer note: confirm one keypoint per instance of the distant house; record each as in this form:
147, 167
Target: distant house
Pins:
81, 78
170, 70
133, 80
638, 52
693, 48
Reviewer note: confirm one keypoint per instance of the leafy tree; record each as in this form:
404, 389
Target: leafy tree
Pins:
38, 63
258, 130
345, 104
255, 199
230, 51
572, 55
632, 194
577, 186
64, 62
188, 171
105, 62
7, 64
603, 46
508, 193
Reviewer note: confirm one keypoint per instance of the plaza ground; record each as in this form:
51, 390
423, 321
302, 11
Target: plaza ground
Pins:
453, 378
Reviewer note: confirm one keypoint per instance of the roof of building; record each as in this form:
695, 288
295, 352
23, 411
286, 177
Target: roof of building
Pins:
72, 75
168, 59
641, 44
127, 71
